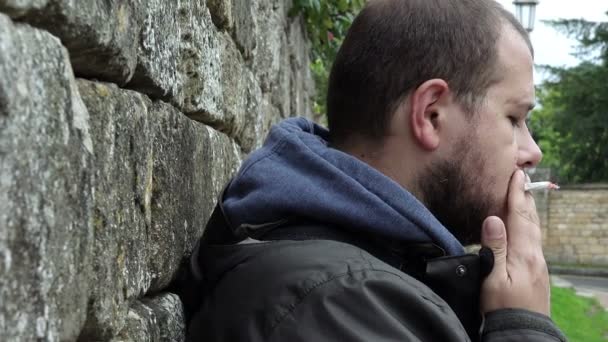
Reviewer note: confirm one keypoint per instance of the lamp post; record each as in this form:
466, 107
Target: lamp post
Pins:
525, 11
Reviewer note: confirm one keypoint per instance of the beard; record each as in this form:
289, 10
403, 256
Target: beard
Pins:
456, 196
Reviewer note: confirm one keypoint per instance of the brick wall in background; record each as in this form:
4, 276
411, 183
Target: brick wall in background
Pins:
574, 222
577, 225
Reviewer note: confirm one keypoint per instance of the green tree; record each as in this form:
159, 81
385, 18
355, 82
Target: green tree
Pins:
571, 124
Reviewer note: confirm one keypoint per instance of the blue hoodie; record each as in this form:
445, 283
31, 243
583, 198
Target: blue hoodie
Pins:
295, 174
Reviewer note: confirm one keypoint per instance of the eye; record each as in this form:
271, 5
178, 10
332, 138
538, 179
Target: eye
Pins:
514, 121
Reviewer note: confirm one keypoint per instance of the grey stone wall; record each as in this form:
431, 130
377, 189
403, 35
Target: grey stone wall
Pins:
574, 221
577, 229
120, 122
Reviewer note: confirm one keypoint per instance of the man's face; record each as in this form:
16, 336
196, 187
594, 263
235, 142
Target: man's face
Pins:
470, 182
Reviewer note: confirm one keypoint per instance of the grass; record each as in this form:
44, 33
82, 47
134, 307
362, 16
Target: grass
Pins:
591, 266
581, 319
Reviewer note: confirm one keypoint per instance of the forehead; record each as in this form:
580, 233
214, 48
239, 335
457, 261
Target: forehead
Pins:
515, 69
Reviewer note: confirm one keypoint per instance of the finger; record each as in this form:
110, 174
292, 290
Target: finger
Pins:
523, 227
494, 237
517, 195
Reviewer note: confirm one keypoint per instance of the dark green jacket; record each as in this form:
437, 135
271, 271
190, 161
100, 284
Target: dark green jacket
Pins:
330, 290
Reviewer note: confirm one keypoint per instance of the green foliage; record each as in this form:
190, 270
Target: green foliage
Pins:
327, 22
571, 124
581, 319
590, 35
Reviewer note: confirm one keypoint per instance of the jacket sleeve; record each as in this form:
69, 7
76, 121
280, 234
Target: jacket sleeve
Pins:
508, 325
369, 305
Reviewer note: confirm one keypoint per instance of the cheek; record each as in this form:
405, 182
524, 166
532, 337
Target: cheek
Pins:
506, 147
505, 133
499, 133
501, 153
500, 164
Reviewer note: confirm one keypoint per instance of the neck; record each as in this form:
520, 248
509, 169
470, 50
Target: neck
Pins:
392, 157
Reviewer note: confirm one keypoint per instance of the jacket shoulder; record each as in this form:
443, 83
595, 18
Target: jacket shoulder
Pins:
365, 299
322, 290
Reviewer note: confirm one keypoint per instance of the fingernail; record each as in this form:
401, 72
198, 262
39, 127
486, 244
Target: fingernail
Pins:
493, 230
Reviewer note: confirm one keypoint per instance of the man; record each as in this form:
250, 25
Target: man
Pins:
357, 233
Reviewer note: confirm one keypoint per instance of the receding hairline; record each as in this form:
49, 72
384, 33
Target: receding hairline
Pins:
499, 68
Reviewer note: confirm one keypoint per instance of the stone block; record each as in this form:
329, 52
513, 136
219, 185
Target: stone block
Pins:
157, 319
251, 132
578, 241
101, 36
18, 8
192, 163
245, 13
552, 241
218, 89
269, 35
46, 163
156, 73
595, 249
199, 65
235, 82
122, 133
158, 174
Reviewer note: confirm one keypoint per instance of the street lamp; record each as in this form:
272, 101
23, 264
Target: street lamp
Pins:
525, 11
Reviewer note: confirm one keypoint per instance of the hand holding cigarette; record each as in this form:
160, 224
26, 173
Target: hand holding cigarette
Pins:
519, 278
540, 186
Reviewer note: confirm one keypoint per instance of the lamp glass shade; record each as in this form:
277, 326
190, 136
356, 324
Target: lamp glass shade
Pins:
525, 12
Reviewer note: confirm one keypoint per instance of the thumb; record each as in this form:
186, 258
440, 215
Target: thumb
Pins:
494, 237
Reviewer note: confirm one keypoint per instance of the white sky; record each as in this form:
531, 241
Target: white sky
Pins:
551, 47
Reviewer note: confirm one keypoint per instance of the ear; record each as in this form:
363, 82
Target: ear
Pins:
426, 111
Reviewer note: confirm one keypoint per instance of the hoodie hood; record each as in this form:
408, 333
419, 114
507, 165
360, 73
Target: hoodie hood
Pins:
296, 174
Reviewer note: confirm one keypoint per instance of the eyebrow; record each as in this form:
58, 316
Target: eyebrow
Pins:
529, 106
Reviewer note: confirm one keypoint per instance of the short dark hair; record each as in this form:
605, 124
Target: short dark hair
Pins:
393, 46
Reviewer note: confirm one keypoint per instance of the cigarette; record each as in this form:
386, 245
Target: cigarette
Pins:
540, 186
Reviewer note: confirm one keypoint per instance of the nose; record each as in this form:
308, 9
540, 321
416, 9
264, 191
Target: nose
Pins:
529, 154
